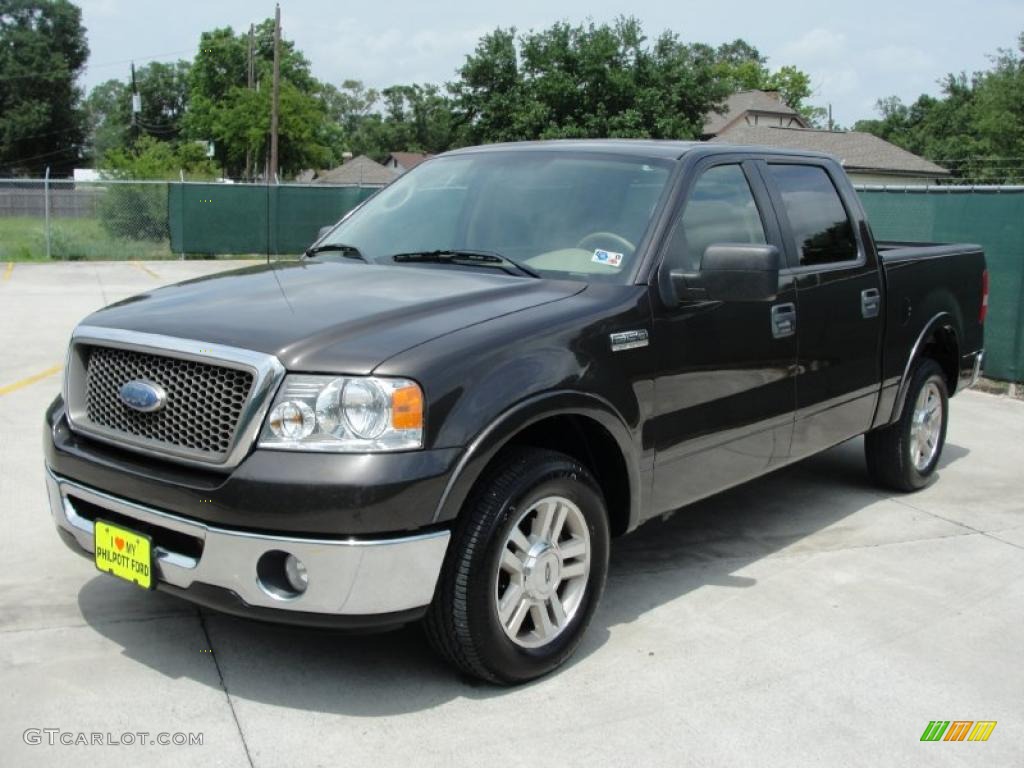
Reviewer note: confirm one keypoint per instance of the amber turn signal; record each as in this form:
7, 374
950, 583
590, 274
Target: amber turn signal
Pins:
407, 408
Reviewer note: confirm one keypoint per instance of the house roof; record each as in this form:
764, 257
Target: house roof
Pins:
359, 170
769, 102
409, 160
855, 150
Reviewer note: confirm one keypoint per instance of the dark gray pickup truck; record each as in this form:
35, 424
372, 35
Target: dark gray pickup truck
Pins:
490, 369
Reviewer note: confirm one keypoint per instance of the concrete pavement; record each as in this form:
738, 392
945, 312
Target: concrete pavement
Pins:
803, 619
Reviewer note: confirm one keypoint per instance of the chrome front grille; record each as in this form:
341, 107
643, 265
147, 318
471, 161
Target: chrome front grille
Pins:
216, 396
204, 402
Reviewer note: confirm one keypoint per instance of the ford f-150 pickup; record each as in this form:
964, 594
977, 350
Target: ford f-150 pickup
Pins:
487, 371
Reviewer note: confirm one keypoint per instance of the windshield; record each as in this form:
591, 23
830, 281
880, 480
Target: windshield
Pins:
559, 214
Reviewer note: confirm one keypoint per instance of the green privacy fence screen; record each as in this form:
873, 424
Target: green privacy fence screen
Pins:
992, 217
282, 220
251, 218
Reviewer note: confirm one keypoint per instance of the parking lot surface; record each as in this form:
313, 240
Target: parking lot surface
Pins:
806, 618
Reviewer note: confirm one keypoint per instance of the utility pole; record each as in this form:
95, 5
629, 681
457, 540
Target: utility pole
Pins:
830, 123
136, 106
251, 77
276, 97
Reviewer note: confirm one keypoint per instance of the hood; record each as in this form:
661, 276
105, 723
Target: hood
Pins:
329, 317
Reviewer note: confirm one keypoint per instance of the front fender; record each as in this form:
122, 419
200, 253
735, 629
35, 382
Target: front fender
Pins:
496, 435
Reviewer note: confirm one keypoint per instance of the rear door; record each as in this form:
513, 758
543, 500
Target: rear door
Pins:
724, 390
838, 298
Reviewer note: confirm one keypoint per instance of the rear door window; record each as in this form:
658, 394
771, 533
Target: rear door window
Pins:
821, 227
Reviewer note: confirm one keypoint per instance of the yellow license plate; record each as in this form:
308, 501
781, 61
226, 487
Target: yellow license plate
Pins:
124, 553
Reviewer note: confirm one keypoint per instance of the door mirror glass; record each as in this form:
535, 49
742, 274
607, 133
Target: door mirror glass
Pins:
731, 272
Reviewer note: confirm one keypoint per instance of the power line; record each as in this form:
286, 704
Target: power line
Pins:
20, 160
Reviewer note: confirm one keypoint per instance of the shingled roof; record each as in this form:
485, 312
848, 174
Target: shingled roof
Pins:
857, 151
742, 102
359, 171
408, 160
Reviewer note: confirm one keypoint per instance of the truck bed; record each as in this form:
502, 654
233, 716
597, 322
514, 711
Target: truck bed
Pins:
923, 281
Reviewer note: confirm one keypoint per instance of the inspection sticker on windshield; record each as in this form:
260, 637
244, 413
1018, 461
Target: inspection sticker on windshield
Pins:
608, 258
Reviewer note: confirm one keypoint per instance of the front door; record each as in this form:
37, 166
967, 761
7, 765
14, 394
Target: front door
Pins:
724, 389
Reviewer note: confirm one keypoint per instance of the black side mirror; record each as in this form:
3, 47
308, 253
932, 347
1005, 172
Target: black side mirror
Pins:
731, 272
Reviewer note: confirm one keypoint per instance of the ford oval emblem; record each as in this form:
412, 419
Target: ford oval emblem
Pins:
143, 395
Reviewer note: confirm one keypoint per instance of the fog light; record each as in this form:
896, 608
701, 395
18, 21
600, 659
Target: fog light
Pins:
296, 574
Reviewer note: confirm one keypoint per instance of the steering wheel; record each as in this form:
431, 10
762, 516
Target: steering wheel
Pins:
600, 239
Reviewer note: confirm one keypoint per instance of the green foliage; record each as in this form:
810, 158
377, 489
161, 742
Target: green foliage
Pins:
598, 80
976, 128
566, 81
139, 211
225, 110
744, 68
153, 159
163, 89
108, 109
586, 81
42, 52
24, 239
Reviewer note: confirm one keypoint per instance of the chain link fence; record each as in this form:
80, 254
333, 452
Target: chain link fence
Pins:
116, 220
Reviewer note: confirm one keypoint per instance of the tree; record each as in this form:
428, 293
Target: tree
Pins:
150, 158
139, 211
108, 110
586, 81
163, 90
976, 128
42, 52
743, 66
222, 107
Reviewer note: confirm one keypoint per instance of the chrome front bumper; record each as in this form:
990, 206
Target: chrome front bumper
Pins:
346, 576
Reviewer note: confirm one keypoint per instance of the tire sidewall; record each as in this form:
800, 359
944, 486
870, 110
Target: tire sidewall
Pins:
497, 651
927, 372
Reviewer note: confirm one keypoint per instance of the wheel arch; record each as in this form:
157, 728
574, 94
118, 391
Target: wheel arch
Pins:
940, 341
583, 426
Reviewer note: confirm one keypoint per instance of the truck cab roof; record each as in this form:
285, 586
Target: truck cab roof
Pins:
663, 149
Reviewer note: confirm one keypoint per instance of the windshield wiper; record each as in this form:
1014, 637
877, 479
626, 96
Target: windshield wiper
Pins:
463, 256
348, 251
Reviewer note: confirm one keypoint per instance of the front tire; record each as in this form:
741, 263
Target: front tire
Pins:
904, 455
525, 569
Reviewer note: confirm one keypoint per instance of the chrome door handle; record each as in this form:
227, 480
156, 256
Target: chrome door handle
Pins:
870, 303
783, 320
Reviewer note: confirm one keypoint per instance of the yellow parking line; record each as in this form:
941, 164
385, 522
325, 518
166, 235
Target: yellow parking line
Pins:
7, 389
7, 272
147, 270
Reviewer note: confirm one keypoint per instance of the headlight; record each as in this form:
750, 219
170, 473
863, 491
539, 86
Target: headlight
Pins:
351, 414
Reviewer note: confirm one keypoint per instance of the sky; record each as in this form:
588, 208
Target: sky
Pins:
855, 52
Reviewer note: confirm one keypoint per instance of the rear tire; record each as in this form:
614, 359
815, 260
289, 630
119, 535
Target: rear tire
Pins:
903, 456
524, 571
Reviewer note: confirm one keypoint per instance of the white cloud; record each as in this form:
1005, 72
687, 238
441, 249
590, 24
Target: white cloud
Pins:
853, 75
816, 45
100, 8
350, 49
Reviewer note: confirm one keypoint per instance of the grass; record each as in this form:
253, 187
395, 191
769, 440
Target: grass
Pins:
24, 239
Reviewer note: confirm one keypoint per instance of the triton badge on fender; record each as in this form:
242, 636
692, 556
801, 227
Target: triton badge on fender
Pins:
628, 340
